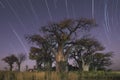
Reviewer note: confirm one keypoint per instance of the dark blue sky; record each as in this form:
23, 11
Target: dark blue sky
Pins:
20, 17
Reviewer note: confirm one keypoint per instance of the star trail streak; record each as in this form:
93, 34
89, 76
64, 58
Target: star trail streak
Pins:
18, 37
34, 12
93, 7
2, 4
48, 10
73, 11
66, 5
116, 11
55, 3
106, 19
16, 15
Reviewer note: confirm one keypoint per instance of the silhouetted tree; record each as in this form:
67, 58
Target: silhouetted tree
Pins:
10, 60
61, 37
84, 50
35, 55
20, 58
42, 54
101, 61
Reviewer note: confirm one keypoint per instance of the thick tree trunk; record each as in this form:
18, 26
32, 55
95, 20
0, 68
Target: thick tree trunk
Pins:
60, 60
11, 67
85, 66
60, 63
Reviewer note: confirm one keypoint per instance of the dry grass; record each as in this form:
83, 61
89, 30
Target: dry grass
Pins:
63, 76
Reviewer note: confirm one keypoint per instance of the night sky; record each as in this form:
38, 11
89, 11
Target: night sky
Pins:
21, 17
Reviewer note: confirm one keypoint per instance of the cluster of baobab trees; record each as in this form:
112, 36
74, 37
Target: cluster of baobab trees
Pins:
59, 42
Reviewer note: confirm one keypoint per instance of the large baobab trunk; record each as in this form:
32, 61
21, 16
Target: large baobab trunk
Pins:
60, 60
60, 63
85, 66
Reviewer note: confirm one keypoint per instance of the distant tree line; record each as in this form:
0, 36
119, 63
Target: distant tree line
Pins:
57, 43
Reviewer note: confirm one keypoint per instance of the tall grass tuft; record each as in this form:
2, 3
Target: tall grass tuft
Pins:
2, 76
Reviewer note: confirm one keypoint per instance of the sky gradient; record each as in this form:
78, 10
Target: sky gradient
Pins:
21, 17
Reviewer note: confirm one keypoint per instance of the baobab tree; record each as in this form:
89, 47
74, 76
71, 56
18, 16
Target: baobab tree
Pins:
42, 54
61, 37
101, 60
20, 58
84, 50
10, 60
34, 54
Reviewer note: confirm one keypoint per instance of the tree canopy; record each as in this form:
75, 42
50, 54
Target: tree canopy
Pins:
21, 57
58, 39
10, 60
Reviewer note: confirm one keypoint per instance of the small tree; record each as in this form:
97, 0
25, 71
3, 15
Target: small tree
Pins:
34, 54
101, 61
10, 60
20, 58
42, 55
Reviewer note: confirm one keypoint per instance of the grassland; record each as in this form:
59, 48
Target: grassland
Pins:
63, 76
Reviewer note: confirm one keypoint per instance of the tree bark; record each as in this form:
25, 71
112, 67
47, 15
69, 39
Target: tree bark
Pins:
60, 60
85, 66
11, 67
